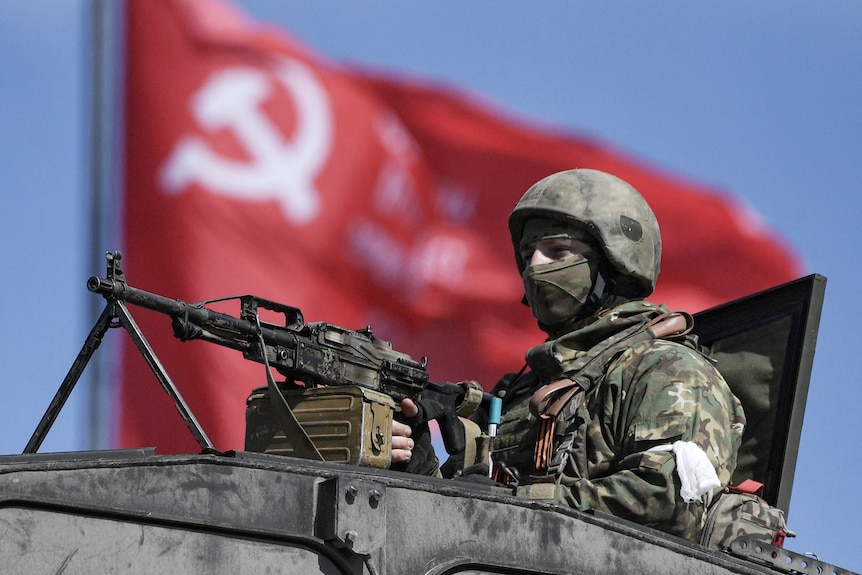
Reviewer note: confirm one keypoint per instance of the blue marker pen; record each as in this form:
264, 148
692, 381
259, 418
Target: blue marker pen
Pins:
494, 416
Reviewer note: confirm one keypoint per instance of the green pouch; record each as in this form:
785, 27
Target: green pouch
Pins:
737, 514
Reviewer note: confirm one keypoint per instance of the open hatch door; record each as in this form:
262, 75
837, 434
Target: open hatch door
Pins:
764, 347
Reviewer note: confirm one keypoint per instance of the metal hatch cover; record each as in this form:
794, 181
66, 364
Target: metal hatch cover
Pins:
763, 345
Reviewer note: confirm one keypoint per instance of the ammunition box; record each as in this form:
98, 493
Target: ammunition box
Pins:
347, 424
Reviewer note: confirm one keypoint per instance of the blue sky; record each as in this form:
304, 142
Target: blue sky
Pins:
761, 101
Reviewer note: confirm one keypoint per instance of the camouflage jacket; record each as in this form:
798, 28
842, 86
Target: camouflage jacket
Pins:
639, 393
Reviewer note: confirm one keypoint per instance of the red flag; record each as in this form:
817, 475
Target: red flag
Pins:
255, 166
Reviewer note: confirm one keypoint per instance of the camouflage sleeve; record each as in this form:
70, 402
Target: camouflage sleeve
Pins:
655, 393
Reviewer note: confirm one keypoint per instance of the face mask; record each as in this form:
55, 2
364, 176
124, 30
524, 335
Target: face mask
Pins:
557, 291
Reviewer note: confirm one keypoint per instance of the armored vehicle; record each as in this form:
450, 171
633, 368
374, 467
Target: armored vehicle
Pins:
137, 511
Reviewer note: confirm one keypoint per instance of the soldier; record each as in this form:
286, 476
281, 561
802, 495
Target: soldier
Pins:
617, 410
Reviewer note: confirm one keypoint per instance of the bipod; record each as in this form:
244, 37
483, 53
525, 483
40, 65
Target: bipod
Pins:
116, 314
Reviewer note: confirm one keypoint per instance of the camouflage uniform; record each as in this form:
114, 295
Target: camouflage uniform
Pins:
639, 393
588, 247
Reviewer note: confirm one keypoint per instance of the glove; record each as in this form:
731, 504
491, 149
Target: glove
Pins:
477, 473
453, 467
424, 459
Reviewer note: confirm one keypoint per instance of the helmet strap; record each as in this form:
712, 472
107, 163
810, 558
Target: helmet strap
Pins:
599, 293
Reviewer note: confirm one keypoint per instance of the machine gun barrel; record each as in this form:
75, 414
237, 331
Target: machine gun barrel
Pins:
119, 290
315, 353
194, 321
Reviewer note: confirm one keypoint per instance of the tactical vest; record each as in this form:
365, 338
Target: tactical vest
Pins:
521, 428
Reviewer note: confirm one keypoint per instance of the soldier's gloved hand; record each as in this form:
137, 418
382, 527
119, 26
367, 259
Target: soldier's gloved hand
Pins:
412, 450
477, 473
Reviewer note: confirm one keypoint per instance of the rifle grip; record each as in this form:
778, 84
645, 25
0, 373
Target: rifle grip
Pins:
452, 432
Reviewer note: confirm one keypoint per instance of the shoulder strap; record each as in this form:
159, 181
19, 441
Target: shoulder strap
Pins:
549, 399
671, 325
293, 431
547, 402
543, 403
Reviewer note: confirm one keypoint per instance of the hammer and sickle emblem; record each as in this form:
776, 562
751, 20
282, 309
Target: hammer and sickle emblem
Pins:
278, 168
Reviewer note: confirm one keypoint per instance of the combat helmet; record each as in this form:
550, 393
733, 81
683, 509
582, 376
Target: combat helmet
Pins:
611, 210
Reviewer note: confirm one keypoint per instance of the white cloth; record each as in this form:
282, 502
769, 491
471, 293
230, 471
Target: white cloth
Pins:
697, 476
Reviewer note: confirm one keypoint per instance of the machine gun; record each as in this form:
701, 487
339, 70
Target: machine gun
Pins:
316, 354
